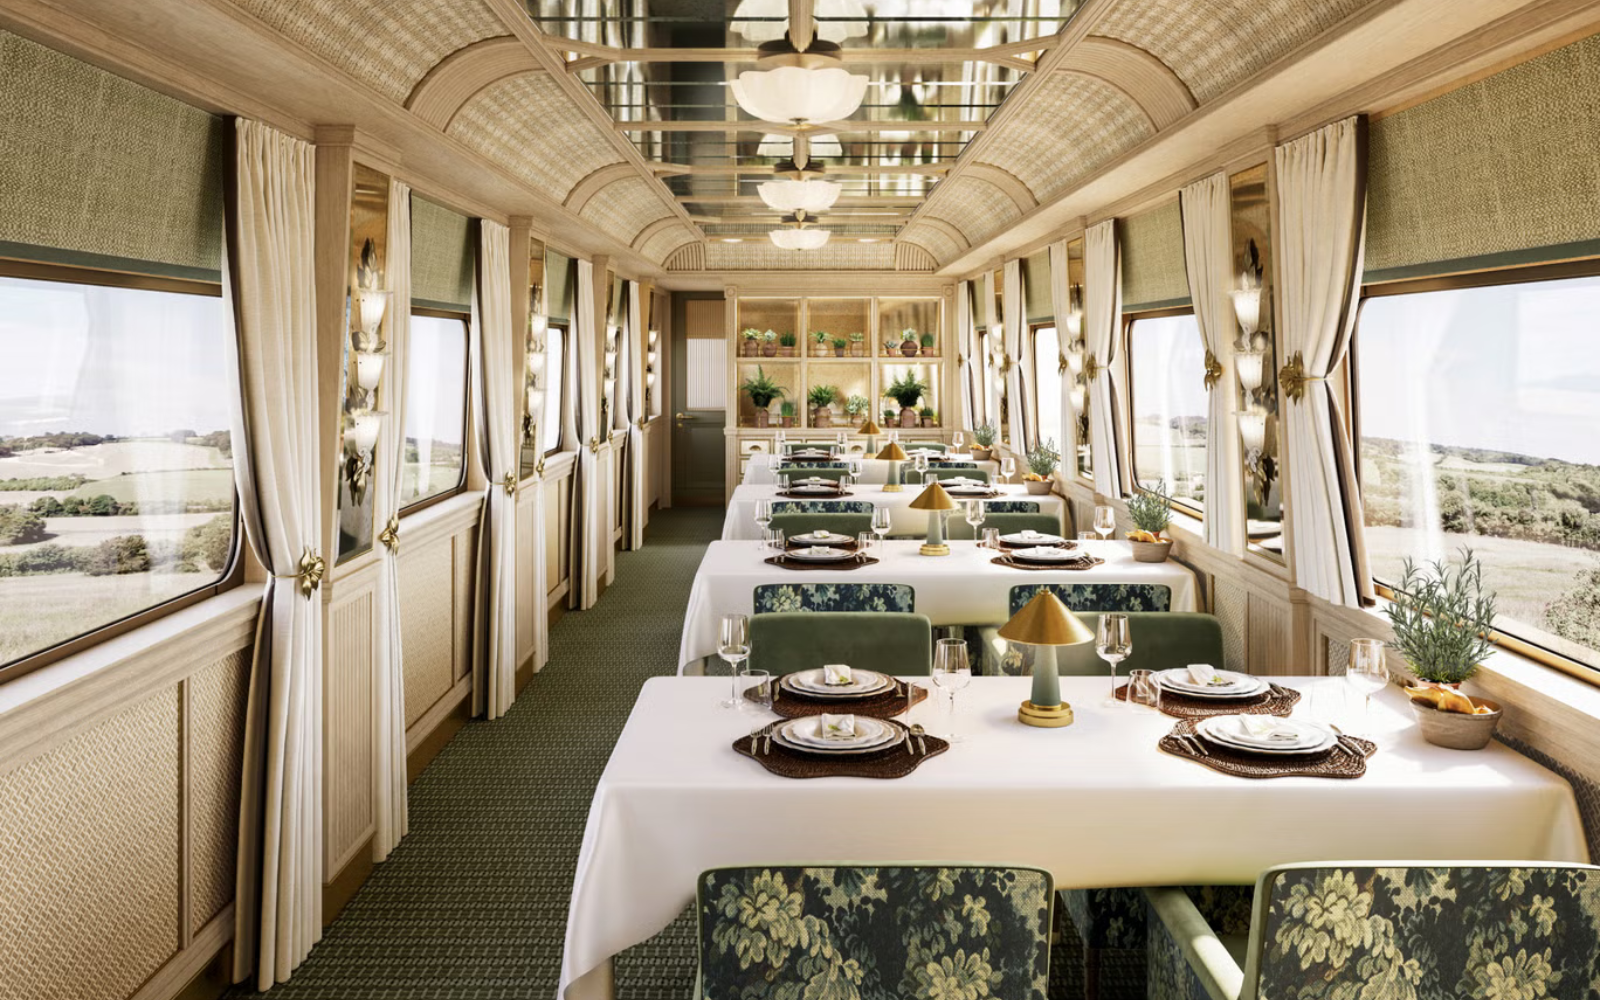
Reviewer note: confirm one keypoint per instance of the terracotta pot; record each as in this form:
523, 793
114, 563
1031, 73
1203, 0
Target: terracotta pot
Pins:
855, 350
769, 349
1038, 487
838, 352
749, 349
1455, 731
908, 417
822, 417
927, 421
785, 421
763, 418
1152, 552
785, 352
909, 348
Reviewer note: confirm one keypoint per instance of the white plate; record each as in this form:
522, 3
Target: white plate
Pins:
820, 553
821, 538
811, 488
870, 732
1240, 685
1046, 554
895, 737
809, 682
1021, 539
962, 491
1221, 729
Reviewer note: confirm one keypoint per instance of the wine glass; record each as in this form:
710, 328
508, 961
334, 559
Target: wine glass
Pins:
919, 461
854, 467
763, 514
952, 672
958, 441
839, 440
1368, 672
880, 522
783, 481
1105, 521
974, 516
1008, 468
1114, 643
733, 645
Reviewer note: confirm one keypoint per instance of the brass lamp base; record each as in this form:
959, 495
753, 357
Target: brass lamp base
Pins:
1045, 716
892, 488
934, 550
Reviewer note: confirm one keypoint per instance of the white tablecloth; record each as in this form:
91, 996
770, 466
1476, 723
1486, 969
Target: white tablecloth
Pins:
740, 522
1096, 803
758, 473
962, 588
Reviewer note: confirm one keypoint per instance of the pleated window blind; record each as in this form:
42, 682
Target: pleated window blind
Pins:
442, 257
1153, 272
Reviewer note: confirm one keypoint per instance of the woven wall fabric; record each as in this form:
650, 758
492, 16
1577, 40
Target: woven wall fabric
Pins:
442, 265
117, 176
1153, 274
1506, 168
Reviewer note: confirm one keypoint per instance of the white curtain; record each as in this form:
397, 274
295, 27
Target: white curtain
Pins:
1102, 314
496, 391
388, 689
277, 470
638, 344
1322, 201
1208, 256
1017, 367
1061, 305
590, 521
989, 341
967, 347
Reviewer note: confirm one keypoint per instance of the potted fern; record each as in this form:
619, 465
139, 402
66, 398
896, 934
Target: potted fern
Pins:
786, 343
1042, 461
907, 390
1151, 510
821, 398
908, 342
751, 343
762, 390
927, 345
819, 340
983, 437
786, 414
1442, 620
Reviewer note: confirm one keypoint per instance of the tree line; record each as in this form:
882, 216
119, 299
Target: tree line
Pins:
204, 547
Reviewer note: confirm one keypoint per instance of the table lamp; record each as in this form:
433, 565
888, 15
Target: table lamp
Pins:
870, 428
894, 455
936, 502
1045, 621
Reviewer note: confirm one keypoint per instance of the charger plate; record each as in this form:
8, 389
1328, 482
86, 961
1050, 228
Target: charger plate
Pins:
1275, 700
813, 495
801, 567
1335, 762
894, 762
883, 705
1019, 564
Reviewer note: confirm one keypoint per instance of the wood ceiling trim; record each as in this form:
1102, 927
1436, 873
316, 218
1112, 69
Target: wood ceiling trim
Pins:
583, 191
1005, 54
1019, 193
458, 77
653, 228
949, 229
1148, 82
772, 128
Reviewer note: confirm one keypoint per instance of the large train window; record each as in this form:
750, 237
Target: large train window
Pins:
1168, 403
434, 464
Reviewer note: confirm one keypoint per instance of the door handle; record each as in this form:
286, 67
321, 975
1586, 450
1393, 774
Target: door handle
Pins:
683, 416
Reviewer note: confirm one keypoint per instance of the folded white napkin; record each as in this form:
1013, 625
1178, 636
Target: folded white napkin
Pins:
1266, 727
1029, 533
837, 673
837, 727
1203, 674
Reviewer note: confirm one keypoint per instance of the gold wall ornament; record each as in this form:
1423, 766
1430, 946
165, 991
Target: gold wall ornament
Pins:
1213, 371
594, 446
642, 422
1293, 378
509, 483
1061, 367
1091, 368
312, 567
390, 535
538, 470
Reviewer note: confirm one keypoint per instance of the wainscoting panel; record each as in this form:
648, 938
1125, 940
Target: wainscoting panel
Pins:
530, 611
463, 585
427, 633
218, 696
347, 727
1231, 606
1269, 636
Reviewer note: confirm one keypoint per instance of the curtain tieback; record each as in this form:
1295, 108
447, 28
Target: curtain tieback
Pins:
390, 535
509, 483
1061, 364
1091, 368
1213, 371
309, 573
1293, 378
539, 469
642, 422
594, 446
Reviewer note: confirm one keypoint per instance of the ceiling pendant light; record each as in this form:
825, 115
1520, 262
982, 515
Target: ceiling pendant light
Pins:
792, 94
810, 197
799, 239
782, 146
770, 29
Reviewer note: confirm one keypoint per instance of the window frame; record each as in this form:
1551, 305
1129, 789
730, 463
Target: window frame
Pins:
232, 576
561, 374
1032, 347
1179, 504
1522, 275
466, 412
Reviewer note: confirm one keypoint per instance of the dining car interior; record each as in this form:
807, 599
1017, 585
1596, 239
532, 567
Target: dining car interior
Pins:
800, 499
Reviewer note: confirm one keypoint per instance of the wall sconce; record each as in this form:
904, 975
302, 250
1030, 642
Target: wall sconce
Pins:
1075, 353
654, 335
1253, 429
538, 323
1247, 309
650, 361
1250, 363
1078, 397
360, 444
371, 306
369, 370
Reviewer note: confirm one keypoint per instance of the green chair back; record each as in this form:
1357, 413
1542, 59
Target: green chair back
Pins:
1124, 597
880, 931
889, 642
1009, 524
1161, 640
802, 471
982, 475
800, 524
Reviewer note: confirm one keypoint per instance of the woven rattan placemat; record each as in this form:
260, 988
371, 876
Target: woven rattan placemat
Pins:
895, 762
840, 564
1338, 762
1275, 700
1091, 563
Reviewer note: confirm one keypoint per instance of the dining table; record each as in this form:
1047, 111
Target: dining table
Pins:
761, 471
740, 522
965, 587
1097, 804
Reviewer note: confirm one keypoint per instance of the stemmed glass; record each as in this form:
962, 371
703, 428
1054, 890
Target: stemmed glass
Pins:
880, 522
840, 441
1008, 468
1368, 672
952, 672
733, 645
958, 441
1105, 521
763, 514
1113, 641
974, 516
919, 461
854, 468
754, 695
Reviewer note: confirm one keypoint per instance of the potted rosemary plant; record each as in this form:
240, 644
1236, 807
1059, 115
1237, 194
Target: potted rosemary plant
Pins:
1151, 510
1042, 461
983, 437
762, 390
907, 390
821, 398
1442, 620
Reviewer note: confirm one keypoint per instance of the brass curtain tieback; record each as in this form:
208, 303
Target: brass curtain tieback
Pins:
642, 421
309, 573
1293, 378
390, 535
509, 482
539, 469
1061, 366
594, 446
1213, 371
1091, 368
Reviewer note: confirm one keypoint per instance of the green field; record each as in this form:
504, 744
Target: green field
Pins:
192, 485
37, 612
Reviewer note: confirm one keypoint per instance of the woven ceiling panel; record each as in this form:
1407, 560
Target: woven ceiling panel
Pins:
1218, 43
975, 207
766, 257
1505, 170
932, 240
660, 246
625, 207
910, 257
387, 45
530, 127
1074, 123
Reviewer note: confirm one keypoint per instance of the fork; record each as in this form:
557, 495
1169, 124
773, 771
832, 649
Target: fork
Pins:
1346, 742
920, 734
1191, 740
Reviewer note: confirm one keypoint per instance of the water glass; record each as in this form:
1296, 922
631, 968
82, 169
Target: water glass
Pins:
763, 514
1008, 468
975, 514
864, 545
1143, 690
1105, 521
783, 481
991, 539
1368, 672
772, 541
1114, 643
951, 672
756, 695
880, 521
854, 468
733, 645
1088, 536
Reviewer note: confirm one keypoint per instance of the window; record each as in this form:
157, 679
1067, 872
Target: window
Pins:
1047, 384
555, 385
1477, 416
1167, 362
436, 408
116, 469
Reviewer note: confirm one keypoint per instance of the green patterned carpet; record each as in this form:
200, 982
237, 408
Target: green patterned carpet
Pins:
473, 903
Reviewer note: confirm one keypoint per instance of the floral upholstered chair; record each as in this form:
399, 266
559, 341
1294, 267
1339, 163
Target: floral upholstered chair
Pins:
1098, 596
771, 597
884, 933
821, 506
1401, 931
1011, 506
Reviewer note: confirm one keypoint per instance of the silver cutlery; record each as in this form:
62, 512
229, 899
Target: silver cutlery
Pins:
1347, 743
1194, 742
919, 733
911, 746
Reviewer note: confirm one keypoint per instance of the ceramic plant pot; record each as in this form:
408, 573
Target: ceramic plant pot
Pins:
769, 350
1454, 730
982, 454
822, 417
908, 417
763, 417
1152, 552
1038, 487
909, 348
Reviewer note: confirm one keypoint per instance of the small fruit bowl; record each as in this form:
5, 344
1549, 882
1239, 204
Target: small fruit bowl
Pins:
1148, 547
1037, 485
1454, 728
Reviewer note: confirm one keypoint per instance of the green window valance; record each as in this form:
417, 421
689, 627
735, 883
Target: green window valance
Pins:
1153, 271
97, 171
442, 258
561, 278
1036, 288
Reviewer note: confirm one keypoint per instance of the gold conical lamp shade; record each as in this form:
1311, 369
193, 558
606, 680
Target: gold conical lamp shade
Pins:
892, 452
1045, 621
935, 498
869, 428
